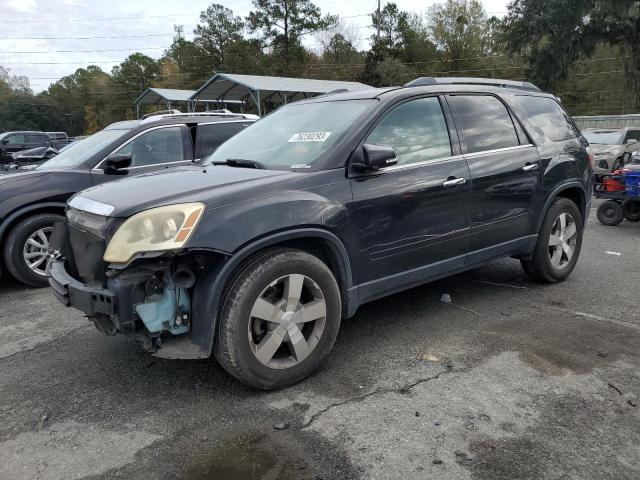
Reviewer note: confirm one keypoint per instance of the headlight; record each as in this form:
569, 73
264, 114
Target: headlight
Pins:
154, 230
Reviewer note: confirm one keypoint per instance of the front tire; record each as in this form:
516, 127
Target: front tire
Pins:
280, 318
26, 249
559, 243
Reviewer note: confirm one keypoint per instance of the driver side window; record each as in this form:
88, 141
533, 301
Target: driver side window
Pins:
416, 130
162, 145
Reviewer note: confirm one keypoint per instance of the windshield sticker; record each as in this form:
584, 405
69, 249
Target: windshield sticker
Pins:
310, 137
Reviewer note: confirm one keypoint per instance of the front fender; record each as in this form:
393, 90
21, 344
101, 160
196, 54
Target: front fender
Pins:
229, 228
211, 286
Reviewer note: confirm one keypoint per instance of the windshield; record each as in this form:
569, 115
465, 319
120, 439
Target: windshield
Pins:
82, 151
604, 137
294, 136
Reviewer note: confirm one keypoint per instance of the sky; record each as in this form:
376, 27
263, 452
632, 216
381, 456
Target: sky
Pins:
48, 39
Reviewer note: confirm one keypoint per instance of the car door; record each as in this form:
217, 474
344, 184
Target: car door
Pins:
505, 173
153, 149
16, 142
411, 217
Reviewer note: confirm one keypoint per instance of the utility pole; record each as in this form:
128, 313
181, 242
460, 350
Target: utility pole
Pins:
378, 33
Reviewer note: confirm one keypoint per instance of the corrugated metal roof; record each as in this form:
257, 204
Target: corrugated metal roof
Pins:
227, 86
153, 95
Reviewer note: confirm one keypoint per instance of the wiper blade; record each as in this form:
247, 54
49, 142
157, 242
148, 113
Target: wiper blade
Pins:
242, 163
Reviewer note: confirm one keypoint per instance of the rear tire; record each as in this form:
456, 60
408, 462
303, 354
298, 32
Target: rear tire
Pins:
264, 337
610, 213
28, 242
559, 242
631, 210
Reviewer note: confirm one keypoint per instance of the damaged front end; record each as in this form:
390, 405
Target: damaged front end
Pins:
148, 299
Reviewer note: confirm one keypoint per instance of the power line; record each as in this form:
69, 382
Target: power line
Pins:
92, 19
91, 38
89, 51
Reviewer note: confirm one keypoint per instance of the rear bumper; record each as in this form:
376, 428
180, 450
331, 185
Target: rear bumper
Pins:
72, 293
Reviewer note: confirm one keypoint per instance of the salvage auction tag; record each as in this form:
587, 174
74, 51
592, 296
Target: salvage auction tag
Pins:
310, 137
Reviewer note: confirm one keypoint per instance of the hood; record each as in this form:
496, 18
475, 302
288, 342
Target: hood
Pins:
11, 176
597, 148
180, 185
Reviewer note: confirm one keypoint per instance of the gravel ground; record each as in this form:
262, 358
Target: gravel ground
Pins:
511, 380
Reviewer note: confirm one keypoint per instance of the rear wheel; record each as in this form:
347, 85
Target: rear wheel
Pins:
610, 213
26, 249
631, 210
559, 243
279, 320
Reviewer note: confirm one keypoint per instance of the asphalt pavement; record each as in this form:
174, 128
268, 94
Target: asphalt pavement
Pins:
510, 380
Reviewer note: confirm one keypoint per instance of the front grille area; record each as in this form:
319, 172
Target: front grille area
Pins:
88, 250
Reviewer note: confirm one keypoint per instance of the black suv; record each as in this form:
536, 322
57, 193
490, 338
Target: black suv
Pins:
12, 142
323, 205
31, 201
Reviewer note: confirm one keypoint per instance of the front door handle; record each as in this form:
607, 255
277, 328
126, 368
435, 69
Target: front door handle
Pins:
531, 167
454, 182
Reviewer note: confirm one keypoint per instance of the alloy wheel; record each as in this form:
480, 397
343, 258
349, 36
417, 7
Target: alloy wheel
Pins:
35, 251
287, 321
562, 241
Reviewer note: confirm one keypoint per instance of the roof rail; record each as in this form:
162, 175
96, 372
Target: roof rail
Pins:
210, 113
496, 82
160, 112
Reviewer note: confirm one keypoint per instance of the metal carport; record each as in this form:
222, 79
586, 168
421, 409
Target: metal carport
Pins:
167, 97
225, 87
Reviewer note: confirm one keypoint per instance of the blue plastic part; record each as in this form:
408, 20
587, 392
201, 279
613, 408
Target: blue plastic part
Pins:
159, 312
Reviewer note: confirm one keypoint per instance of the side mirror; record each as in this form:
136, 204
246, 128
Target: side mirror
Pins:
5, 141
116, 164
373, 158
631, 141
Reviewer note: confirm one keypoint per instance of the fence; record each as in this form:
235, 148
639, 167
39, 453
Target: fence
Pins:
608, 121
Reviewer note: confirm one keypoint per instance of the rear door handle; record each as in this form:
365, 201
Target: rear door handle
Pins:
454, 182
532, 167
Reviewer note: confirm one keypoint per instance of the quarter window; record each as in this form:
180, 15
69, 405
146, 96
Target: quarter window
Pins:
162, 145
546, 114
484, 121
416, 130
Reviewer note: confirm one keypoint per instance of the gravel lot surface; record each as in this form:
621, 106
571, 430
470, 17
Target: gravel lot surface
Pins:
511, 380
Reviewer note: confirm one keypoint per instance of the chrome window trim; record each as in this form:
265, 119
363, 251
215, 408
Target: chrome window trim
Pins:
92, 206
438, 161
435, 161
97, 167
498, 150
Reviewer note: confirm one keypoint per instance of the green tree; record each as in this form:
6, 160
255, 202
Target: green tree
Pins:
191, 63
553, 34
460, 30
135, 74
220, 28
284, 22
388, 24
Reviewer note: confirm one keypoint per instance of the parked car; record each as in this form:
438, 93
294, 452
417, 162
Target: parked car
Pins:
58, 139
609, 145
12, 142
30, 202
324, 205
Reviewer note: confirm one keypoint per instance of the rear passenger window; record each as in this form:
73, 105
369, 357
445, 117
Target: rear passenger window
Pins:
484, 121
546, 114
211, 136
416, 130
